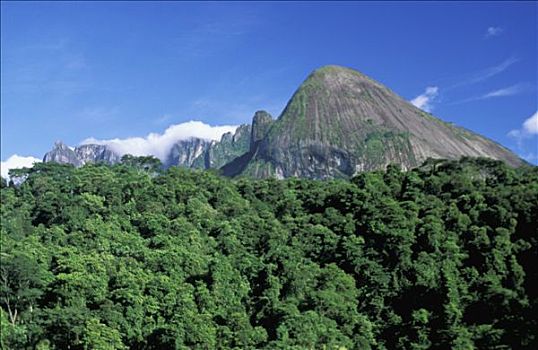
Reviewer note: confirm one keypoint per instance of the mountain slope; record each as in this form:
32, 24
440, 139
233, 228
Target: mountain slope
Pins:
340, 122
203, 154
229, 147
261, 124
81, 155
190, 153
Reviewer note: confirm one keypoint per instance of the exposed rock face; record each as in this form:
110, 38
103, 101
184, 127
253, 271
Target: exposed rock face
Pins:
96, 153
189, 153
81, 155
260, 126
203, 154
340, 122
230, 147
61, 153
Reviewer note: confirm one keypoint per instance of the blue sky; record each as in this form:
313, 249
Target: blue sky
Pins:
71, 71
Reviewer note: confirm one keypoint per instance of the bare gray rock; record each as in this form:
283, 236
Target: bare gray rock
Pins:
340, 122
81, 155
189, 153
61, 153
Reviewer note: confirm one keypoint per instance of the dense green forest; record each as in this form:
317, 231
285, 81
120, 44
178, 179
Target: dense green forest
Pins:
133, 257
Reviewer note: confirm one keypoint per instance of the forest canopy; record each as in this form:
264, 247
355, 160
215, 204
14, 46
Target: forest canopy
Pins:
130, 256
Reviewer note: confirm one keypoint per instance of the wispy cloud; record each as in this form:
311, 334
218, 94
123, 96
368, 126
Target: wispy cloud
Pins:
54, 68
507, 91
56, 44
240, 111
159, 145
485, 74
17, 162
425, 100
208, 36
98, 114
163, 119
503, 92
492, 71
75, 62
530, 157
493, 31
531, 124
528, 130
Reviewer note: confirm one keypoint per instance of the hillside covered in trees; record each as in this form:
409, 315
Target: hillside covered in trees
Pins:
131, 257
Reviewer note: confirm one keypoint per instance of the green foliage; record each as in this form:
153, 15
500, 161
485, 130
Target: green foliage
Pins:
132, 257
147, 163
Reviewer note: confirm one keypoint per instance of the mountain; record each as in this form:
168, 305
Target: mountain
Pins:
230, 147
204, 154
81, 155
61, 153
96, 153
188, 153
261, 124
191, 153
340, 122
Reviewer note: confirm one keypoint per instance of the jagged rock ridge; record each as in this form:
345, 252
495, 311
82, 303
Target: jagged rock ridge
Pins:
188, 153
81, 155
339, 122
204, 154
192, 153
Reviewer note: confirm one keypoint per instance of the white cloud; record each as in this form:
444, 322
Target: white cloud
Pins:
484, 74
425, 100
514, 133
527, 130
491, 71
159, 145
98, 113
16, 162
493, 31
530, 157
531, 124
508, 91
504, 92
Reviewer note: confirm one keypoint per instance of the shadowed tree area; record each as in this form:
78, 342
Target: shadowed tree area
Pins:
132, 257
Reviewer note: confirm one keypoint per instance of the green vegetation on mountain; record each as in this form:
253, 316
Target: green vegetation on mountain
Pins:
133, 257
261, 124
340, 122
230, 147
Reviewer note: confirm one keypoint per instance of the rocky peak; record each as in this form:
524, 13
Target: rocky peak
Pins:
189, 153
242, 132
227, 137
337, 123
261, 122
61, 153
92, 153
59, 145
340, 122
334, 75
230, 147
